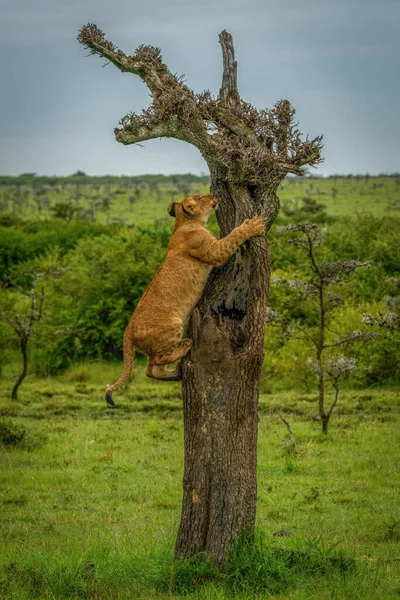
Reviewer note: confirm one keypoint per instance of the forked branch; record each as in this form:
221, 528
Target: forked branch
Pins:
255, 147
228, 93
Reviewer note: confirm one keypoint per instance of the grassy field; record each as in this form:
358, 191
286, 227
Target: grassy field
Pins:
347, 195
133, 201
90, 497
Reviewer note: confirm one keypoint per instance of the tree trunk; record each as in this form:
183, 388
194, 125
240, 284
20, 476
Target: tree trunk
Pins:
220, 388
325, 421
249, 152
321, 392
24, 350
321, 395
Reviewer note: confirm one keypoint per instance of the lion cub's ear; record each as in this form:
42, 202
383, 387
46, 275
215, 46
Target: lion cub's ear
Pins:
171, 209
189, 205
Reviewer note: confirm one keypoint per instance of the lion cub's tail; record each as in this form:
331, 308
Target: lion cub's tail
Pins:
129, 359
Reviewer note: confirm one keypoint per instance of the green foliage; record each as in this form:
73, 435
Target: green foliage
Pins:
10, 433
66, 211
365, 238
111, 262
23, 241
94, 301
308, 209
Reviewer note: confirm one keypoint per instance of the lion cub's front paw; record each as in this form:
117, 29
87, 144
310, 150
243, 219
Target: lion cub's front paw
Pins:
255, 226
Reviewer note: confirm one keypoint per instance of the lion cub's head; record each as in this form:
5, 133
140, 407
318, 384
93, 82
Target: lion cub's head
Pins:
194, 208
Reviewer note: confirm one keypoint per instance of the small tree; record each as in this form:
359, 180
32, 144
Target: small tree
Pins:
333, 370
24, 324
319, 293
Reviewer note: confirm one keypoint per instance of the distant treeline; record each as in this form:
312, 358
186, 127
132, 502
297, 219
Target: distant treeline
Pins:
188, 178
81, 178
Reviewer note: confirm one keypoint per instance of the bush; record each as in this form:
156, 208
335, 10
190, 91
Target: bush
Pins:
91, 305
21, 241
10, 433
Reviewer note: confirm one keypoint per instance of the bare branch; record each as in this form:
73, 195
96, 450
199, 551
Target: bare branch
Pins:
308, 152
288, 168
228, 94
40, 311
12, 321
335, 272
17, 287
173, 113
140, 131
329, 413
305, 332
93, 38
353, 338
284, 116
292, 441
296, 284
274, 318
254, 147
389, 320
225, 117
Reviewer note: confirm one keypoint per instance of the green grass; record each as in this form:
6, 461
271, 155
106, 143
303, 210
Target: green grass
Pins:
378, 196
343, 196
90, 497
147, 206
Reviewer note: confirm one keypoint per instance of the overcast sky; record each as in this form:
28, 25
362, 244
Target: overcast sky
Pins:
337, 61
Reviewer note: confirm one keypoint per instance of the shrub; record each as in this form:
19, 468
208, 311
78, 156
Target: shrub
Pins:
10, 433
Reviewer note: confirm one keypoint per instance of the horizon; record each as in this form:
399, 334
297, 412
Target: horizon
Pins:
335, 61
307, 175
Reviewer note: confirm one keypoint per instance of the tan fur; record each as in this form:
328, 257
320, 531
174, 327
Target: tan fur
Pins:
156, 326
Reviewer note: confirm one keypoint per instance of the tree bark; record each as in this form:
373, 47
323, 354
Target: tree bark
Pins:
248, 153
24, 350
220, 388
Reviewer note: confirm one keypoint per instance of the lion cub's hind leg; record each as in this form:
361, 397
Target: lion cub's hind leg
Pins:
163, 374
156, 368
177, 352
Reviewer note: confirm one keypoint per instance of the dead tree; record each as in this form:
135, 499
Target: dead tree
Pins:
248, 153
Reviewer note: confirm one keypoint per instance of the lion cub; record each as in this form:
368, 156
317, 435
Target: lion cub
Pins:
156, 326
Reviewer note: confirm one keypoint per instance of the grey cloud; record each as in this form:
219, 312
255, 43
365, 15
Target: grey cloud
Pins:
336, 61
